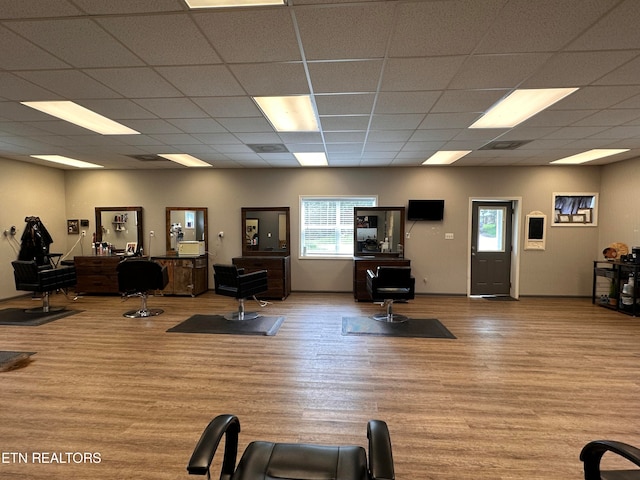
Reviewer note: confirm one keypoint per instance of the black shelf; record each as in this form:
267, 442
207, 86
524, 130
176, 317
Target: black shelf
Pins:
618, 273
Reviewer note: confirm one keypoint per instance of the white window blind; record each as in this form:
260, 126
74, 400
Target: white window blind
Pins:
327, 225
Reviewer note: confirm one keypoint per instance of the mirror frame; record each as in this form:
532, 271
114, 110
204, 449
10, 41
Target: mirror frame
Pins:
168, 211
369, 210
138, 210
265, 253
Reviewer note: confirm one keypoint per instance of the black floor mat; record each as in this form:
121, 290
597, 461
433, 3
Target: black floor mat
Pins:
422, 328
218, 324
19, 316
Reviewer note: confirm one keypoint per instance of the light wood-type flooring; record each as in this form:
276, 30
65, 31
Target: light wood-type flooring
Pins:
519, 392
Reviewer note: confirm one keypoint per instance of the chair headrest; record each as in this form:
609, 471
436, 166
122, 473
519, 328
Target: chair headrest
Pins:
225, 269
388, 272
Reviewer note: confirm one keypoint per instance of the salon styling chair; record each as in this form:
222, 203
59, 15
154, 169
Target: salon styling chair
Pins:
266, 460
43, 279
231, 281
388, 284
593, 452
136, 278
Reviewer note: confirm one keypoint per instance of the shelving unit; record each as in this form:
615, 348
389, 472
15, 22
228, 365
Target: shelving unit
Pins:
624, 300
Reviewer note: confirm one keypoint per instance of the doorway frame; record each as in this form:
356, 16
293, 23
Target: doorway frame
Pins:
514, 290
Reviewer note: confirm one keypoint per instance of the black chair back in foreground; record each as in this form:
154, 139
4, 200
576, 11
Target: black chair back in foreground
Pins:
231, 281
43, 279
388, 284
262, 460
593, 452
136, 278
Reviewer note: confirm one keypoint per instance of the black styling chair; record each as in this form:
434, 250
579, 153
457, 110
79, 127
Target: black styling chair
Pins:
388, 284
231, 281
136, 278
593, 452
43, 279
267, 460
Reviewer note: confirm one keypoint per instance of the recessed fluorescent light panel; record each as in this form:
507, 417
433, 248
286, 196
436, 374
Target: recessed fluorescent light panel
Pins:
445, 157
590, 155
519, 106
311, 159
184, 159
231, 3
83, 117
293, 113
72, 162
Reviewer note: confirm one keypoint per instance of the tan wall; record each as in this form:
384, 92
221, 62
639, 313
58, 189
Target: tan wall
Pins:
29, 190
564, 268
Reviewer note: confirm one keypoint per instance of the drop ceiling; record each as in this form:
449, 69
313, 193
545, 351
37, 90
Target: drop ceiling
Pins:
392, 81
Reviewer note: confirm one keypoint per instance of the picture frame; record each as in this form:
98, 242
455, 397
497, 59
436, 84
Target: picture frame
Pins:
131, 248
73, 227
575, 209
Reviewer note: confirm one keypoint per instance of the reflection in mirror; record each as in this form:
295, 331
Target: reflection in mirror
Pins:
265, 231
186, 224
379, 231
119, 226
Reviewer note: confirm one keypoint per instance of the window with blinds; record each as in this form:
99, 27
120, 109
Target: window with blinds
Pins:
326, 225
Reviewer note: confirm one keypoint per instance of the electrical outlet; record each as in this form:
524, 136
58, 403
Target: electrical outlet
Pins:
152, 233
408, 235
220, 234
84, 233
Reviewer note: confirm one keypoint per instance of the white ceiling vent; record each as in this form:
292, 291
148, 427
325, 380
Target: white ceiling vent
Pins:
268, 147
504, 144
148, 157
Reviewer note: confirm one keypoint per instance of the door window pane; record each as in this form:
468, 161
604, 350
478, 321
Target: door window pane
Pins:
491, 229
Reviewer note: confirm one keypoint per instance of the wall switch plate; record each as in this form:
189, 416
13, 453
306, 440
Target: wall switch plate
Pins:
448, 236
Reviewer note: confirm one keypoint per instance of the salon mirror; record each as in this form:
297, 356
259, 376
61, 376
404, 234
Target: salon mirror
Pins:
265, 231
120, 227
379, 231
186, 224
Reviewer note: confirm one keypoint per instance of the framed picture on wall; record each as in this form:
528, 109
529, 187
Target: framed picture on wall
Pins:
73, 227
575, 209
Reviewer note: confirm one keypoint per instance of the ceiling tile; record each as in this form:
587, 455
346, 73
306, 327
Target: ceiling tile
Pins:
251, 36
134, 82
172, 107
202, 81
417, 74
557, 23
442, 28
265, 79
61, 38
162, 39
356, 32
405, 102
349, 77
68, 84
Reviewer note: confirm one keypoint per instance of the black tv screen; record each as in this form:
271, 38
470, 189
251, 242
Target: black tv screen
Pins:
425, 210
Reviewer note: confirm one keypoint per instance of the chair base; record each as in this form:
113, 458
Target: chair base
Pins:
393, 318
389, 317
240, 316
45, 310
45, 307
150, 312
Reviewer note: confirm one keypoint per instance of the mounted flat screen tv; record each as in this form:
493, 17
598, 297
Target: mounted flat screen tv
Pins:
430, 210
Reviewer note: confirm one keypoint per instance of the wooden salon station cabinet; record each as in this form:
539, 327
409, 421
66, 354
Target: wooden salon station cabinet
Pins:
378, 239
265, 246
97, 274
188, 275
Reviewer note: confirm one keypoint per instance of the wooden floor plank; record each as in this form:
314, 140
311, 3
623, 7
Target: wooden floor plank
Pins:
519, 392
